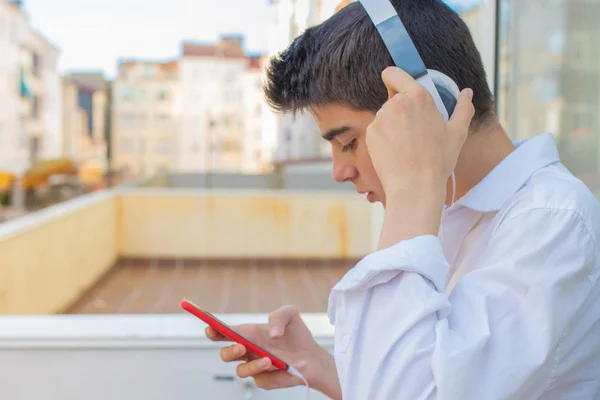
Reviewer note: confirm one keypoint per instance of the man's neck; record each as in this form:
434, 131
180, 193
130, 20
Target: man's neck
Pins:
483, 150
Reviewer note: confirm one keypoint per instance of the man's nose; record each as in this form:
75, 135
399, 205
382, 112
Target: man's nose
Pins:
344, 172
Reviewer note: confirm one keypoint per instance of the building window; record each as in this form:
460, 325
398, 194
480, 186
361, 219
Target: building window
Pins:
143, 95
170, 75
162, 146
582, 122
35, 64
34, 148
142, 120
127, 94
126, 145
581, 50
163, 95
148, 71
35, 107
15, 33
126, 120
163, 121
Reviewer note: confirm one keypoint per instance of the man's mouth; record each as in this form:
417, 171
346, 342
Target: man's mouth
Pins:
370, 196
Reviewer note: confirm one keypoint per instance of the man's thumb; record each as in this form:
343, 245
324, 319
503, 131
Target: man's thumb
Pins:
280, 319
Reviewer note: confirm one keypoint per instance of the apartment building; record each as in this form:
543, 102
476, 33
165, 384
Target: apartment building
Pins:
213, 80
254, 159
14, 146
85, 111
145, 117
44, 125
30, 108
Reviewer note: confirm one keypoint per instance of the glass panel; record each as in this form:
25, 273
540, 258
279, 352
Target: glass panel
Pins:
549, 77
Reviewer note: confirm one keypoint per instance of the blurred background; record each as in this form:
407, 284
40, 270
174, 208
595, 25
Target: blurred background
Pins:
139, 165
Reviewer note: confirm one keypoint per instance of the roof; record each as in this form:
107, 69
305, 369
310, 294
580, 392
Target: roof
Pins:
88, 80
228, 46
255, 61
127, 66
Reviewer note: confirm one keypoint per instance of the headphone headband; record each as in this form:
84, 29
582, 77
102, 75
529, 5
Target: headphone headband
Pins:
406, 57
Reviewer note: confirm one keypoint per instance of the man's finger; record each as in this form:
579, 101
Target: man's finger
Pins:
234, 352
463, 114
253, 367
275, 380
280, 319
215, 336
397, 80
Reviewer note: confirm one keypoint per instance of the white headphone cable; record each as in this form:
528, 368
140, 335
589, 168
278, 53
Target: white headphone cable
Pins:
295, 372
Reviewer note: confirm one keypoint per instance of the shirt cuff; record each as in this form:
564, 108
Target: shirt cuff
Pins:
422, 255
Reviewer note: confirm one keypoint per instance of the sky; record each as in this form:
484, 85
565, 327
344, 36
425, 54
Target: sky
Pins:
94, 34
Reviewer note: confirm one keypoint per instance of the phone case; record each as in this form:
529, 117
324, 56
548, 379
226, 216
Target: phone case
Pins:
229, 333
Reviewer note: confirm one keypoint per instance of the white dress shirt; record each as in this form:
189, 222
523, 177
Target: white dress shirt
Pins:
505, 304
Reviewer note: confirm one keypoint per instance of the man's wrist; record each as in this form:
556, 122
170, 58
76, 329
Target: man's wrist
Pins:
412, 213
326, 379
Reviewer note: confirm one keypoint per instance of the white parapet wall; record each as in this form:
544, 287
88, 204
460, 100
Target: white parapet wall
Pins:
139, 357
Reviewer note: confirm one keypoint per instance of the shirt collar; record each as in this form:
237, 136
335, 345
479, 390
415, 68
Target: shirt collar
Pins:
512, 173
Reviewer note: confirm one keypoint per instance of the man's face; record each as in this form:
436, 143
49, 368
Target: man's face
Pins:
346, 130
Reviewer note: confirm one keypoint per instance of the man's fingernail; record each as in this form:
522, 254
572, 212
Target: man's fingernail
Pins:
264, 363
237, 350
469, 93
275, 331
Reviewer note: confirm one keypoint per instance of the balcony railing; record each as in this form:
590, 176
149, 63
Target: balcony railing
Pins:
145, 357
50, 258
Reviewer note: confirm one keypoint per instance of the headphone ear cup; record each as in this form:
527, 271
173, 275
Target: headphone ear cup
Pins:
447, 88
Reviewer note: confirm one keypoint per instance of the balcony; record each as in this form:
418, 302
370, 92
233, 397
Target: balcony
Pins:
90, 288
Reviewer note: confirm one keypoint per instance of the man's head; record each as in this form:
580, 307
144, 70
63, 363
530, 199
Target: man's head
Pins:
333, 70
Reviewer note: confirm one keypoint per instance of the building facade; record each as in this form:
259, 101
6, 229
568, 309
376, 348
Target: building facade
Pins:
43, 122
85, 110
14, 146
550, 77
254, 159
213, 80
145, 118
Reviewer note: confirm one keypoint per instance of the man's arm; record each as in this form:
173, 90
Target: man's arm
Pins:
494, 337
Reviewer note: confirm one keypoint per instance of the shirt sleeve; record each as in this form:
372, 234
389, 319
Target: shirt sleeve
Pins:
495, 337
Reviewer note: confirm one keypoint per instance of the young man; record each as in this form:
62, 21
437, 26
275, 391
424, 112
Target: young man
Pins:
495, 296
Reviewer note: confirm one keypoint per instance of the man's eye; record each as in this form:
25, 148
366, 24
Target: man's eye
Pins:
350, 146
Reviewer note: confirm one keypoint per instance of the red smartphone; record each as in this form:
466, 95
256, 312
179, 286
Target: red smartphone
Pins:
229, 333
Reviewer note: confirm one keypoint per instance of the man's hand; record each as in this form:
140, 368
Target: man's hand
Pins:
414, 152
287, 337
